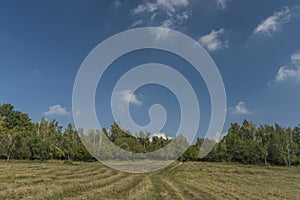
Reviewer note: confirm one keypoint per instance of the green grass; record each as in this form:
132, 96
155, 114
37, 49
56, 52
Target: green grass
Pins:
59, 180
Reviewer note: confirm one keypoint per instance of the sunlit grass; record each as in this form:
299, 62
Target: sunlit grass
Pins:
57, 180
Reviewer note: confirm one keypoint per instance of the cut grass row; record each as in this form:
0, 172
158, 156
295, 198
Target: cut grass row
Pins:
58, 180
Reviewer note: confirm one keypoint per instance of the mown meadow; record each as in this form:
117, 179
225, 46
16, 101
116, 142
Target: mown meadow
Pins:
188, 180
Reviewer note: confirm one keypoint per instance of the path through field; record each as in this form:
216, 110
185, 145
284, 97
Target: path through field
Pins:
57, 180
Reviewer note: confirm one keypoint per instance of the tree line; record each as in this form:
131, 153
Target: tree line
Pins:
249, 144
20, 138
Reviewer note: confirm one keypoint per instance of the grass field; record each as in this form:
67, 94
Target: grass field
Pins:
57, 180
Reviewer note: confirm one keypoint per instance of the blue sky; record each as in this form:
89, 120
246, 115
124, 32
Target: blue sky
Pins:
255, 45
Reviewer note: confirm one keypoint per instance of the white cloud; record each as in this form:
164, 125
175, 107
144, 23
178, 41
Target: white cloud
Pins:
167, 5
212, 41
161, 34
168, 23
295, 58
56, 110
285, 73
169, 14
171, 5
137, 23
128, 96
182, 17
117, 3
148, 7
274, 22
241, 109
289, 73
223, 3
160, 135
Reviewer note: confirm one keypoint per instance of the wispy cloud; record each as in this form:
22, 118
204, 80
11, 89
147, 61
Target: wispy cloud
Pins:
169, 14
223, 3
274, 22
136, 23
161, 34
56, 110
117, 3
241, 109
212, 41
169, 6
128, 96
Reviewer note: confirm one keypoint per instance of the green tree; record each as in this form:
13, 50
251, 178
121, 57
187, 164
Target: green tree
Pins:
14, 119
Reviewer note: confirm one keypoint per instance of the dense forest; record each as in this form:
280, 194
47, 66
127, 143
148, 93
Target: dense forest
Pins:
20, 138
